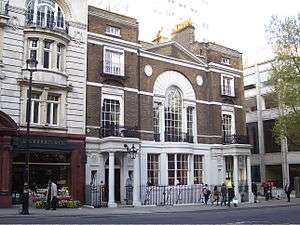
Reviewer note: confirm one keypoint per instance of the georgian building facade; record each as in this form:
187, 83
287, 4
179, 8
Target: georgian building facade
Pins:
54, 33
179, 102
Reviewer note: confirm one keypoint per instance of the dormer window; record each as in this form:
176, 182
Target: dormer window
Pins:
225, 60
113, 31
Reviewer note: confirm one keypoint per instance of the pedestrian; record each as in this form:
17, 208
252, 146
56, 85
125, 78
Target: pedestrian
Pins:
216, 195
206, 193
223, 194
288, 189
51, 196
25, 199
254, 191
230, 195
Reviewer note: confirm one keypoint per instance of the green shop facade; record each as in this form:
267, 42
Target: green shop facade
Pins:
57, 156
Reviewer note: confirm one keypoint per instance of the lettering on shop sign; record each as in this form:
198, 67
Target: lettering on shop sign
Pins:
41, 142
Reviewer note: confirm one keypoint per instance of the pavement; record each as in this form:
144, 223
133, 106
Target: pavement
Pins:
88, 211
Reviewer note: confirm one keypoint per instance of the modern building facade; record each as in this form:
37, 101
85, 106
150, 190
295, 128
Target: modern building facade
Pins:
270, 161
53, 33
181, 107
165, 14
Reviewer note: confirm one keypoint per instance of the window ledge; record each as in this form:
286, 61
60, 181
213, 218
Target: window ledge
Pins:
44, 126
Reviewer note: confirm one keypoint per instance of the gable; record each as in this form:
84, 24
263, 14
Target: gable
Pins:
175, 51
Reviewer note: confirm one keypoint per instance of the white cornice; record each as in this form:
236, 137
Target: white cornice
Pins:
112, 40
172, 60
152, 94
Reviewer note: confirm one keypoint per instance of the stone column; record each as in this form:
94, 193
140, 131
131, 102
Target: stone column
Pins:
136, 181
163, 168
111, 180
235, 178
249, 180
260, 128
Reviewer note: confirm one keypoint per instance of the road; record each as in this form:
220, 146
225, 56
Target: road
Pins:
272, 215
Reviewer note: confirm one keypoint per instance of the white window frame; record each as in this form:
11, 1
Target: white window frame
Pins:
225, 92
59, 63
225, 60
200, 170
117, 98
176, 168
115, 31
122, 52
231, 113
153, 169
33, 100
30, 48
51, 102
49, 50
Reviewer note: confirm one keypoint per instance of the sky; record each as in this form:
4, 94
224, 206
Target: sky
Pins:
239, 24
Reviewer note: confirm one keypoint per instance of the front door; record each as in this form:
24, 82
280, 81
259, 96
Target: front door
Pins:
117, 184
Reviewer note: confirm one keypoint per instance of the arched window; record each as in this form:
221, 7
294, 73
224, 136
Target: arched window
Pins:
45, 13
173, 115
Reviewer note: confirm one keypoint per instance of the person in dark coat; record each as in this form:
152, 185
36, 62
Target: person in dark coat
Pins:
223, 194
254, 191
288, 189
206, 192
25, 199
230, 195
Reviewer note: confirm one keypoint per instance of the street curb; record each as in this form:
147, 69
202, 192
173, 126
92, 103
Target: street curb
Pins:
158, 212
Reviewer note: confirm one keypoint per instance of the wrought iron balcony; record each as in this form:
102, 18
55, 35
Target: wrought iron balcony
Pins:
57, 24
118, 131
4, 7
179, 137
235, 139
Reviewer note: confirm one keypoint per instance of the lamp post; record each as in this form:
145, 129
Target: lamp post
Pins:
133, 152
31, 67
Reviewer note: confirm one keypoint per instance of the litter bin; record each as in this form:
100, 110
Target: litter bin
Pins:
297, 186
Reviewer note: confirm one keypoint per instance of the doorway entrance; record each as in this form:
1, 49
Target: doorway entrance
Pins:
117, 184
117, 190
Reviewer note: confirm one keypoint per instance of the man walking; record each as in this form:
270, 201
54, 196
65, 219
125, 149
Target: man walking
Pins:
51, 196
288, 189
223, 194
254, 191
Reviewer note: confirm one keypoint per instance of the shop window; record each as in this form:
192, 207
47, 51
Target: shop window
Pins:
113, 61
177, 169
198, 169
153, 169
227, 86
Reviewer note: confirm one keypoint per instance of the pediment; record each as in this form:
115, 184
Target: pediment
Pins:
175, 50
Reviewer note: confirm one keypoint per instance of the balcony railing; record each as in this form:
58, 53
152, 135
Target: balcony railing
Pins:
4, 7
118, 131
179, 137
51, 23
235, 139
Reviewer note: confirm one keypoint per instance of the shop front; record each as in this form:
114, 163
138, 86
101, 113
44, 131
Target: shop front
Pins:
57, 158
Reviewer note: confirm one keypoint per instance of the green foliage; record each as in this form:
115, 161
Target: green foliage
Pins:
61, 204
284, 35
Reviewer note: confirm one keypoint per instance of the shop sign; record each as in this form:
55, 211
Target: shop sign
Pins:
41, 143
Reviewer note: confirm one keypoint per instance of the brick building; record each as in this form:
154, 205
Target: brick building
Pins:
179, 102
53, 33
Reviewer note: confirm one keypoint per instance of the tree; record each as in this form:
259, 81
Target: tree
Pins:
284, 35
